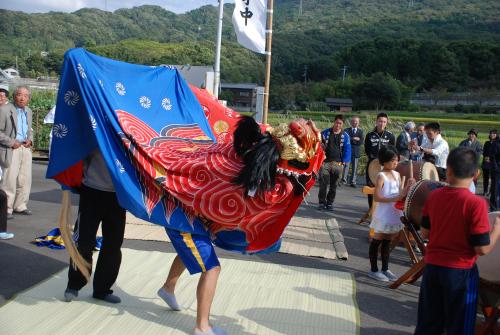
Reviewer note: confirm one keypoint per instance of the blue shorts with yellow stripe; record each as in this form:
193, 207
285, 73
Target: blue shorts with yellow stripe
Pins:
195, 250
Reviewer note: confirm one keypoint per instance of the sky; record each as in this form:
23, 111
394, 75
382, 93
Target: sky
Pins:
43, 6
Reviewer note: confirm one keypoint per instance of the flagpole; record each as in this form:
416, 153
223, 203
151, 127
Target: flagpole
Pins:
269, 36
217, 50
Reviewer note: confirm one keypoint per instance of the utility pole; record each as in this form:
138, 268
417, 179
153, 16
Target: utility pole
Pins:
300, 8
217, 49
344, 69
106, 5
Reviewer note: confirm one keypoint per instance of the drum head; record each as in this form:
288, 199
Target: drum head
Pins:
489, 268
373, 170
415, 200
429, 172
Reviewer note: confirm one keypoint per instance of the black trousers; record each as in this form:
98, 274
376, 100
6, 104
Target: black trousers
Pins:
330, 174
369, 183
96, 207
3, 211
494, 192
447, 301
486, 180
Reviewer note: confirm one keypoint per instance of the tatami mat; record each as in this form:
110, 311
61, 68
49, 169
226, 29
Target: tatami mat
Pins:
252, 298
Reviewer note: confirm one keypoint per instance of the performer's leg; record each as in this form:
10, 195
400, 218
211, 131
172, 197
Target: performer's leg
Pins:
176, 270
89, 217
167, 291
110, 256
205, 295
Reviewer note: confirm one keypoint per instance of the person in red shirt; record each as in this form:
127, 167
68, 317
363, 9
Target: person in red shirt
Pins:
456, 223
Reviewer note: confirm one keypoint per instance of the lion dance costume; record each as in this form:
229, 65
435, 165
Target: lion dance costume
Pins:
177, 157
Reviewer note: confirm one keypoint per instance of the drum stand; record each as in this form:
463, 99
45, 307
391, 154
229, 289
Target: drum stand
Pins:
491, 313
368, 215
417, 268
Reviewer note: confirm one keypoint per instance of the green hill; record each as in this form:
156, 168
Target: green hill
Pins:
458, 37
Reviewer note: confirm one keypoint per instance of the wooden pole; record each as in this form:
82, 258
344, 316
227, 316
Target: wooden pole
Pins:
269, 37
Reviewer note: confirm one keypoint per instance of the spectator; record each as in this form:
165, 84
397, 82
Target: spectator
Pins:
356, 135
374, 140
337, 146
486, 166
4, 95
404, 139
15, 151
473, 143
434, 148
4, 235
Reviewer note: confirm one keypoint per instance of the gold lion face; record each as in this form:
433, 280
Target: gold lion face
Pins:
301, 149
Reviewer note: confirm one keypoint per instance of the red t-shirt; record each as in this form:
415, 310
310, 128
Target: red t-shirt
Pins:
458, 221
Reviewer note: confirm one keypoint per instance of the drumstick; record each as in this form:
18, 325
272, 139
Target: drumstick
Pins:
411, 169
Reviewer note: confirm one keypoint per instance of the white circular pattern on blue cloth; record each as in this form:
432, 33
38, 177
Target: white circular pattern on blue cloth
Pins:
145, 102
120, 89
81, 70
166, 104
71, 98
60, 130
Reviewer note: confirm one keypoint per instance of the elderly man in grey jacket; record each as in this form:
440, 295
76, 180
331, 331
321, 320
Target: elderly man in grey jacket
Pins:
403, 140
16, 138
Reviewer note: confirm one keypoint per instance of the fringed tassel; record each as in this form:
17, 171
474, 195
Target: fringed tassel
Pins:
65, 228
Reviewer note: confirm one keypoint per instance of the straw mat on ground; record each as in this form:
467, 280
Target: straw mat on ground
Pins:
252, 298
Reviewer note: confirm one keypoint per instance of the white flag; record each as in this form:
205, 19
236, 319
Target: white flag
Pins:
249, 21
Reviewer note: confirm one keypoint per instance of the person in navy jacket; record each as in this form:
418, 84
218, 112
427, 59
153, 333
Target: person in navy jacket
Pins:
337, 146
357, 137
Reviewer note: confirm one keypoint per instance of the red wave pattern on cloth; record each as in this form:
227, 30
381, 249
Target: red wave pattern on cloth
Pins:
199, 175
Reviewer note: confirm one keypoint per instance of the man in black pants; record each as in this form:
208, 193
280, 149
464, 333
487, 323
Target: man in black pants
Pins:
4, 235
374, 140
98, 203
494, 154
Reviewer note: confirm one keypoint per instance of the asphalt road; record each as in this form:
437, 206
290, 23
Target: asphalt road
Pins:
382, 310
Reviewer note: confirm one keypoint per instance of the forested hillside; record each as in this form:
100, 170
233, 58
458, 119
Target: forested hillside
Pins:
451, 45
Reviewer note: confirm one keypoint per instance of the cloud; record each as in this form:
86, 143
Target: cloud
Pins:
41, 6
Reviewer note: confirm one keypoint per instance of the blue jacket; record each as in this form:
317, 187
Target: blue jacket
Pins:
345, 144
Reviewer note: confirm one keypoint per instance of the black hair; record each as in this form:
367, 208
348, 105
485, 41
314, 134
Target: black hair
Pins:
339, 117
493, 131
463, 162
5, 91
260, 154
382, 115
387, 154
433, 126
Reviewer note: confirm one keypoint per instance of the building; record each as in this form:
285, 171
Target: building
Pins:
198, 76
242, 96
340, 105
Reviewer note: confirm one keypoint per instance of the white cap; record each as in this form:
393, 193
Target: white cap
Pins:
5, 87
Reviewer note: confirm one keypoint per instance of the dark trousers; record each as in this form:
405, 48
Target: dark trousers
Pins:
369, 183
494, 192
96, 207
330, 173
3, 211
486, 180
447, 301
441, 173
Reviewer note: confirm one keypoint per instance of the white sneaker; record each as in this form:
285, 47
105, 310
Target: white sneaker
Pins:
6, 236
391, 276
379, 275
214, 331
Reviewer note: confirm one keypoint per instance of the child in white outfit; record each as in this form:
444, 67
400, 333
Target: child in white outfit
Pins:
386, 220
